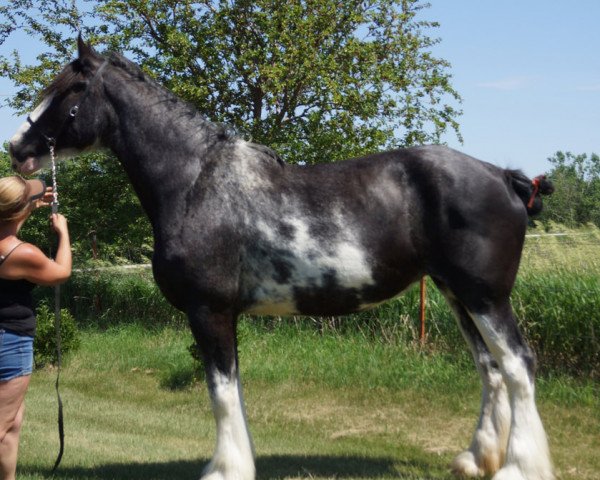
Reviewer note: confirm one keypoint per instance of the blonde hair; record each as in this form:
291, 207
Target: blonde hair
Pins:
14, 199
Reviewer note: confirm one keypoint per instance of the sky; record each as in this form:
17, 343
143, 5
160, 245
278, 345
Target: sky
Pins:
528, 72
529, 75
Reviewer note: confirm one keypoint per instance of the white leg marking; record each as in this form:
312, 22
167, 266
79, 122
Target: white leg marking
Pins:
234, 455
527, 456
488, 446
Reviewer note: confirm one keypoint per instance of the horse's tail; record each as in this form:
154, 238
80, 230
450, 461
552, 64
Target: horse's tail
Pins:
530, 191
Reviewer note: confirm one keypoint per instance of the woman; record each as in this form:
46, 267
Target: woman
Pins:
22, 266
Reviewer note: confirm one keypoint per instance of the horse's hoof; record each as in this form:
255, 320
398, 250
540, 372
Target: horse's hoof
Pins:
465, 466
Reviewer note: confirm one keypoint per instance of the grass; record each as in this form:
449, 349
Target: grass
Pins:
320, 406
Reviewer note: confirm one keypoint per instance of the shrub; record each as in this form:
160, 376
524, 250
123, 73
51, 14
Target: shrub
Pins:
44, 347
558, 314
107, 298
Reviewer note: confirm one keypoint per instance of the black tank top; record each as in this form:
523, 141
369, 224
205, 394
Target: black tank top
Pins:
17, 312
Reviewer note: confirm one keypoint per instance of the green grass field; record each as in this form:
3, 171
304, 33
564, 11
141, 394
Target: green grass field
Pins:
319, 406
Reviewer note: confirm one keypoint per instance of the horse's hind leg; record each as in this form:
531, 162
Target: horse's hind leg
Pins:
487, 451
527, 455
215, 333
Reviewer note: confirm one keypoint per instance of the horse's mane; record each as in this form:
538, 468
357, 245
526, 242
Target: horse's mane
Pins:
220, 131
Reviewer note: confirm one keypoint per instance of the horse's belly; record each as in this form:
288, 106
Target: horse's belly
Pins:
319, 284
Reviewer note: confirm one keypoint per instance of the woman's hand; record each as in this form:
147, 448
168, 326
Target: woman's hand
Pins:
59, 223
46, 200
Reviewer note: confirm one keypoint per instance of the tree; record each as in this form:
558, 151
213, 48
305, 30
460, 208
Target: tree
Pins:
576, 200
318, 80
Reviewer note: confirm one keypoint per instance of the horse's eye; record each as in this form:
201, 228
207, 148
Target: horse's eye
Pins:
74, 110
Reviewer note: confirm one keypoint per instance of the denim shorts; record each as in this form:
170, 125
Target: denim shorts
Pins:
16, 355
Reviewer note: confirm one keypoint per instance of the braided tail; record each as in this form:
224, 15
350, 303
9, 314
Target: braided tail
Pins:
530, 191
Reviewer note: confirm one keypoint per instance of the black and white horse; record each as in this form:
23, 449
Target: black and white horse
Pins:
238, 231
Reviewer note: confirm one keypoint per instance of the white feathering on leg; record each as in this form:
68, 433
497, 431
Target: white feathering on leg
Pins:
234, 457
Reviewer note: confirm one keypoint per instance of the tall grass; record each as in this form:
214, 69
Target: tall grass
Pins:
560, 317
111, 297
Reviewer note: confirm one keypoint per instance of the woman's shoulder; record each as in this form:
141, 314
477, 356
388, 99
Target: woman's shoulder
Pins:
7, 248
21, 254
27, 252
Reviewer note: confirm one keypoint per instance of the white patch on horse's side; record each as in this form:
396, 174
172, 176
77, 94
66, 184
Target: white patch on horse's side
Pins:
271, 297
309, 260
343, 256
34, 116
234, 453
527, 456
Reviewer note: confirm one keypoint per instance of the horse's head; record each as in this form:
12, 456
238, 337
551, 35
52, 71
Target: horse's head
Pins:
68, 117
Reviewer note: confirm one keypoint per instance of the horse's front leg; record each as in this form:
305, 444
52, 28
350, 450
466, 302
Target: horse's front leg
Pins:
215, 334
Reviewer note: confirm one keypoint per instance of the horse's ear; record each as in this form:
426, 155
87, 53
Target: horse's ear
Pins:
83, 49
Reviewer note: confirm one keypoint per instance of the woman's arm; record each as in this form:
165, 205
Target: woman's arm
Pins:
29, 262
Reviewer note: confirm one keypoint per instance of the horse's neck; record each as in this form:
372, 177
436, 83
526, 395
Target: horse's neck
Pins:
160, 147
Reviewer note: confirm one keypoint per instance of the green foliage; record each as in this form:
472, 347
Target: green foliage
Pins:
107, 298
559, 317
44, 347
576, 200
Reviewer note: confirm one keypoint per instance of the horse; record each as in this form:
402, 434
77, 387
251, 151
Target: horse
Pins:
238, 231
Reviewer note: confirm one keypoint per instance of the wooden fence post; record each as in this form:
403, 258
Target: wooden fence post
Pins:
422, 311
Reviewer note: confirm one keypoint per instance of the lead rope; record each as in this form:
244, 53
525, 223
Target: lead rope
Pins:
61, 426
